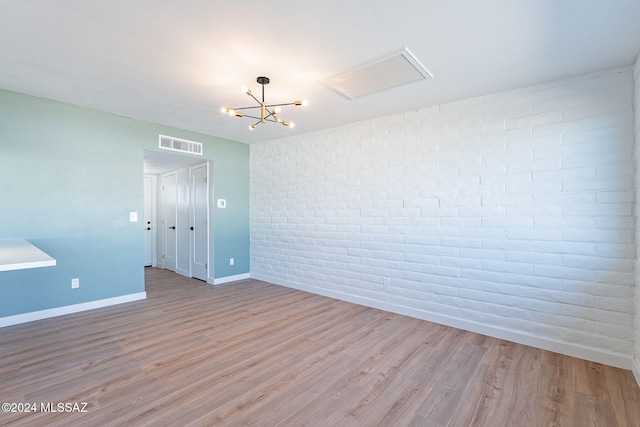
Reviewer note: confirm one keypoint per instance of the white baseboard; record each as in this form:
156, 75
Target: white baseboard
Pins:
635, 368
570, 349
228, 279
69, 309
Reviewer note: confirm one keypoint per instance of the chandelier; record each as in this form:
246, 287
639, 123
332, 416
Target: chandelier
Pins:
268, 112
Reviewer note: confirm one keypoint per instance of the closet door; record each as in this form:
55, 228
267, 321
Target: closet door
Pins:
169, 220
149, 220
198, 228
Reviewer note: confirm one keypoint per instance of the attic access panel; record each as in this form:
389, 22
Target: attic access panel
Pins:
393, 70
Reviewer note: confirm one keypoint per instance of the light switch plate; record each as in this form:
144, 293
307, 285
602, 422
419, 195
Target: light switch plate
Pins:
222, 203
133, 216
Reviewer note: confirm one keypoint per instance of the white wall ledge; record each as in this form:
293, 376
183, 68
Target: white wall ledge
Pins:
21, 254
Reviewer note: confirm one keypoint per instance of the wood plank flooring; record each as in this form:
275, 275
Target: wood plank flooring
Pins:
256, 354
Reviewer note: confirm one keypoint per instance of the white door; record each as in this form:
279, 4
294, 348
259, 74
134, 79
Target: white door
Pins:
170, 218
199, 215
149, 219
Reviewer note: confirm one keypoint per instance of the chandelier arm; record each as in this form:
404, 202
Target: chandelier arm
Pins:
251, 117
248, 108
266, 119
280, 105
259, 118
257, 100
259, 121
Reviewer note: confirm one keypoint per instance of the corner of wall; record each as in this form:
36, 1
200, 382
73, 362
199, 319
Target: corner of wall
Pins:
636, 109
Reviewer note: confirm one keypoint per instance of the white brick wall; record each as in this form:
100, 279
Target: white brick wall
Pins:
510, 214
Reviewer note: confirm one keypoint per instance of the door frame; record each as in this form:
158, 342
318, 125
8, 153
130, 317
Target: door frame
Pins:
159, 208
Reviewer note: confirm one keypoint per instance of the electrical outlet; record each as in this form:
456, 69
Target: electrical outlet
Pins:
75, 283
232, 261
385, 282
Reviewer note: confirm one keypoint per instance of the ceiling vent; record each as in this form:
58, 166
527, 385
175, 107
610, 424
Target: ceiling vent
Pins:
182, 145
395, 69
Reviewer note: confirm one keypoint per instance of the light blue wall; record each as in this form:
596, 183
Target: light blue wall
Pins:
69, 176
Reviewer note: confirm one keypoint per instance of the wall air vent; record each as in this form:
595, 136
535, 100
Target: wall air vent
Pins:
182, 145
395, 69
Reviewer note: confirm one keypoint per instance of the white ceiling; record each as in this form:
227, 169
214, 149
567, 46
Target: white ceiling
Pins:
179, 62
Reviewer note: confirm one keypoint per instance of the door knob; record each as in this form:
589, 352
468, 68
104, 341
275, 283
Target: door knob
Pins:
148, 228
191, 228
173, 227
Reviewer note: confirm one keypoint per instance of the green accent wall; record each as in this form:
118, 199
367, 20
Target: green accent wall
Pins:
69, 176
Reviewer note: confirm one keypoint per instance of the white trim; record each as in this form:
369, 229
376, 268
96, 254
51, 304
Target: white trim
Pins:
211, 223
635, 368
618, 360
183, 272
69, 309
227, 279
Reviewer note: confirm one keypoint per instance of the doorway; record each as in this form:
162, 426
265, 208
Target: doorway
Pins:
183, 232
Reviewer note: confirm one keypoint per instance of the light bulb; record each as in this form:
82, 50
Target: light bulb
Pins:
231, 112
252, 126
288, 124
277, 110
305, 102
246, 90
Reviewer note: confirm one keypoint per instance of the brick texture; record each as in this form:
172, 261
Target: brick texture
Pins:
513, 210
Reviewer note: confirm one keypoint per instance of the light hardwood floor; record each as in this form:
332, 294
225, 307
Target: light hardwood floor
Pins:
256, 354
